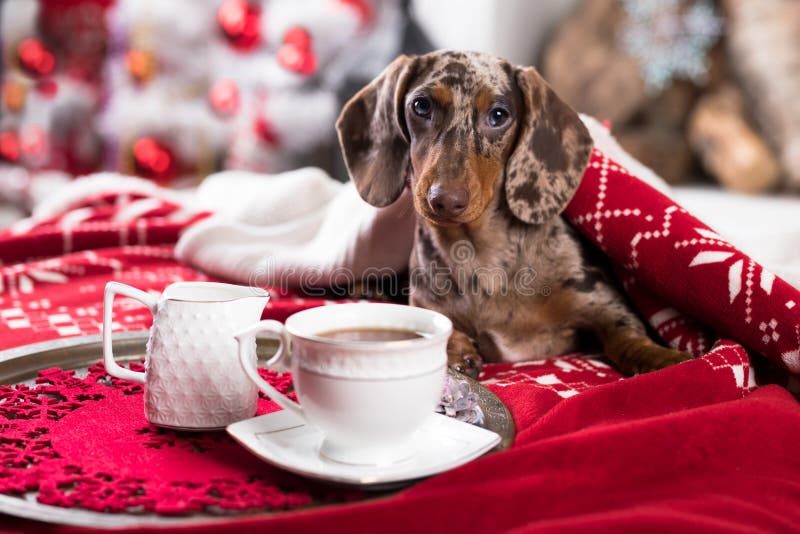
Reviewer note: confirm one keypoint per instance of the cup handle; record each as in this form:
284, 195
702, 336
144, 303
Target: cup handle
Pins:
249, 363
112, 289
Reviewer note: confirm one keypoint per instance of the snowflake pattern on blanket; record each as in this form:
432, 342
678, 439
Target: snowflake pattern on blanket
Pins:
683, 277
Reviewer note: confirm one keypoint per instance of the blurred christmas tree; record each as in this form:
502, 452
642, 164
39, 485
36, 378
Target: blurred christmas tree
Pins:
52, 56
174, 90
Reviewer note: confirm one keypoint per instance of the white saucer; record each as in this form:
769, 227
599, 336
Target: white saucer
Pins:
286, 441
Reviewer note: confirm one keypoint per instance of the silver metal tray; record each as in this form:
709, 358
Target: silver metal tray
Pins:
22, 364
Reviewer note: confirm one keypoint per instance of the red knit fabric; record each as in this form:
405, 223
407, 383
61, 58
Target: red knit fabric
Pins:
679, 271
695, 447
53, 271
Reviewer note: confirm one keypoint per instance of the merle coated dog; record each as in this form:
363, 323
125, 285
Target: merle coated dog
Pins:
492, 156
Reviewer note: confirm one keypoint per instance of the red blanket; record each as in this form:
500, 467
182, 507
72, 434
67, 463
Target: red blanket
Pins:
699, 446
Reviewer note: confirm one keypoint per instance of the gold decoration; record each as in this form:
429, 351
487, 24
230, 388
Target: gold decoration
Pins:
141, 65
14, 95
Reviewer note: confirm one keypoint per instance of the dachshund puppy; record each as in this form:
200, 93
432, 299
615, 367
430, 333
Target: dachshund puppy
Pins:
492, 156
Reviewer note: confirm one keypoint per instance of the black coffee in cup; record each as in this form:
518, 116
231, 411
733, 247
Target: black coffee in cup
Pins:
371, 334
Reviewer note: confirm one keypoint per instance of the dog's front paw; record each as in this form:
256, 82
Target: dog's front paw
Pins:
654, 358
662, 357
462, 355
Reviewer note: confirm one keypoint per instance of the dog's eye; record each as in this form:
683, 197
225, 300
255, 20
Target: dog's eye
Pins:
422, 106
497, 117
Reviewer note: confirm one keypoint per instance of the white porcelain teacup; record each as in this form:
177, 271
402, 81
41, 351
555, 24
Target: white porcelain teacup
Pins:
367, 397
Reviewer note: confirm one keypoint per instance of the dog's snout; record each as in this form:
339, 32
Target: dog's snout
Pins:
448, 202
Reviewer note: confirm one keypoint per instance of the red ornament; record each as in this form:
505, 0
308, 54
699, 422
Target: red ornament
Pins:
296, 52
261, 125
153, 160
265, 131
224, 97
298, 37
363, 9
47, 88
9, 146
33, 141
34, 58
241, 23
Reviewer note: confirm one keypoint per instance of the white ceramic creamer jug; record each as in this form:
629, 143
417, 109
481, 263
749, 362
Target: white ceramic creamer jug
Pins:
193, 379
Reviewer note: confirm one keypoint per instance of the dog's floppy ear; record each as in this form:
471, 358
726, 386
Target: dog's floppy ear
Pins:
373, 135
551, 154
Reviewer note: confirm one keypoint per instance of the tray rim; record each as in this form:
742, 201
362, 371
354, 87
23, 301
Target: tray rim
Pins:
25, 508
65, 343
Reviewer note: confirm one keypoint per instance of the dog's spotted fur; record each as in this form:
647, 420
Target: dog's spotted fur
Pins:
519, 177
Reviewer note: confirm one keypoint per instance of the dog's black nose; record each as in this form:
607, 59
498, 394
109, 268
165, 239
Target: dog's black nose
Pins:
448, 202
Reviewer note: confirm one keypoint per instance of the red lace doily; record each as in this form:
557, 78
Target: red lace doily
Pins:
85, 442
